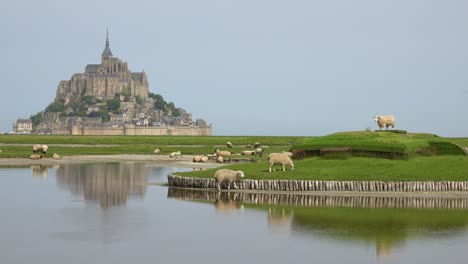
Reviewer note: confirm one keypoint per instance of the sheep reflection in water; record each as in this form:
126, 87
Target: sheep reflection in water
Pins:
39, 170
227, 202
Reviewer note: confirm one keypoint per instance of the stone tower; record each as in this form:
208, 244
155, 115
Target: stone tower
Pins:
106, 55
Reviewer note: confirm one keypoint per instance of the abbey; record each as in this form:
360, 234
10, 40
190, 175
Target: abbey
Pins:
104, 80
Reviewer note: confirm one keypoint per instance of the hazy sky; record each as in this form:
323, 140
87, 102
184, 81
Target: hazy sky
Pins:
254, 67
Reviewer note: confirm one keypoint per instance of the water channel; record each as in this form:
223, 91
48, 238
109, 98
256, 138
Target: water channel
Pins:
107, 213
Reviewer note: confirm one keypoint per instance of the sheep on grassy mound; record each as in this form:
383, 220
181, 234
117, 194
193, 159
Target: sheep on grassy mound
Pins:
229, 144
222, 153
37, 148
256, 145
56, 156
248, 152
175, 154
35, 156
230, 176
281, 159
157, 151
259, 152
385, 121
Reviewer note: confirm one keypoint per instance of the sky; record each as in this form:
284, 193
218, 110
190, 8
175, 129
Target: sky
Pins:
254, 67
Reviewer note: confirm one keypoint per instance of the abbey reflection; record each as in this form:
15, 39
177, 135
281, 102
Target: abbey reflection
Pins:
109, 183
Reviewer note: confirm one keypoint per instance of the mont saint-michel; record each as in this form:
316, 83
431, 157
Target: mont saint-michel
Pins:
109, 99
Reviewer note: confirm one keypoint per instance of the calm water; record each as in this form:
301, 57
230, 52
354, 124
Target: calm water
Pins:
105, 213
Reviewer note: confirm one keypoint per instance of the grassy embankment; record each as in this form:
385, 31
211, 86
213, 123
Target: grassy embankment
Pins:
441, 167
108, 145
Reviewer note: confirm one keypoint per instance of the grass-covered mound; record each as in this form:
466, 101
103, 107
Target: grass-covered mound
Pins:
381, 142
435, 168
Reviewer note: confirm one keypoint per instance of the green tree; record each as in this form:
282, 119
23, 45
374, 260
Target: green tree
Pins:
105, 117
113, 104
36, 119
55, 106
139, 100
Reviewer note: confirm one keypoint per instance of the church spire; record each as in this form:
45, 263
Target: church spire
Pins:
107, 52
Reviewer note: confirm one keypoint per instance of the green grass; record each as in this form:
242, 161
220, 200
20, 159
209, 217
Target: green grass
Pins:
143, 140
435, 168
26, 151
382, 141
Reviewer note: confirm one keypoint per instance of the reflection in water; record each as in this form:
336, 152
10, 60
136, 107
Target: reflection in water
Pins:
280, 219
39, 170
109, 183
384, 221
227, 202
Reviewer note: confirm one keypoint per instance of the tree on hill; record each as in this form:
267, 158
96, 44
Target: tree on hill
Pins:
113, 104
36, 119
55, 106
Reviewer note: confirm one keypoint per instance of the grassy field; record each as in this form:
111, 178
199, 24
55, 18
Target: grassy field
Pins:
147, 140
26, 151
435, 168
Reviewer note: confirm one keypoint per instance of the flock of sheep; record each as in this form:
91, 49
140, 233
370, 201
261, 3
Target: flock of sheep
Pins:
231, 177
38, 150
283, 159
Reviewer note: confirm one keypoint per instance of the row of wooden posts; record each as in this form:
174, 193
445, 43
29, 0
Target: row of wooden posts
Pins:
311, 185
307, 200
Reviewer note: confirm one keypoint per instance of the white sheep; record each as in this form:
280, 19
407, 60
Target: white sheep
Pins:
35, 156
385, 121
259, 152
280, 158
37, 148
248, 152
56, 156
175, 154
222, 153
230, 176
256, 145
229, 144
157, 151
219, 159
200, 158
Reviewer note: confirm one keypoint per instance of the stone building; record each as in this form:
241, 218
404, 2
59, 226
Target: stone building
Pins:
104, 80
23, 126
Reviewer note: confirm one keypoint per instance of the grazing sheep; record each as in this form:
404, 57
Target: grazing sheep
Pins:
385, 121
37, 148
44, 149
280, 158
248, 153
175, 154
230, 176
256, 145
259, 152
222, 153
204, 158
229, 144
219, 159
35, 156
56, 156
157, 151
288, 153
